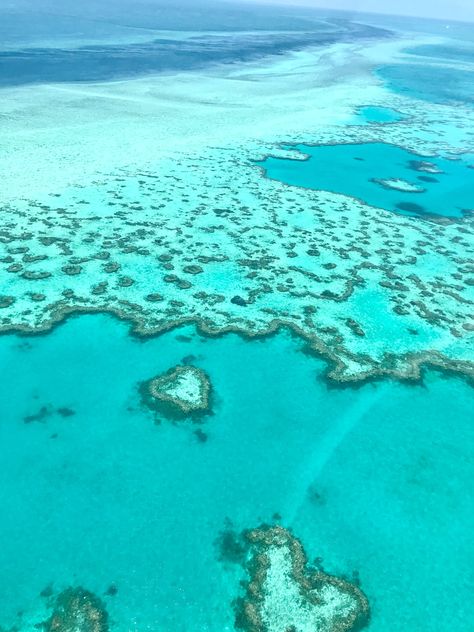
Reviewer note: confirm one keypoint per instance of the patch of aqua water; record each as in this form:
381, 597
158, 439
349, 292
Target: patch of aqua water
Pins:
432, 83
377, 114
440, 186
93, 492
447, 52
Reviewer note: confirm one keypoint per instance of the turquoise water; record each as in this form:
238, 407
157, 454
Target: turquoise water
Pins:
375, 480
463, 53
350, 169
432, 83
377, 114
96, 489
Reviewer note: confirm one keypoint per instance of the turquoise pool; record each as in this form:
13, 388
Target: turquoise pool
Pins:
378, 173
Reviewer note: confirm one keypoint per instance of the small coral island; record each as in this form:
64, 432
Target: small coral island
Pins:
425, 166
399, 184
181, 391
285, 595
77, 610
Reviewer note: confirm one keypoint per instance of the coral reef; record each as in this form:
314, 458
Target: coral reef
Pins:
183, 390
284, 594
399, 184
173, 233
77, 610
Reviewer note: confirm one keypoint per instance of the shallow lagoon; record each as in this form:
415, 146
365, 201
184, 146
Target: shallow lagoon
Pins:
364, 171
376, 114
374, 480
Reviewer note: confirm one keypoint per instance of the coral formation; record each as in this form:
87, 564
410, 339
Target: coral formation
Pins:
399, 184
284, 594
192, 231
183, 389
77, 610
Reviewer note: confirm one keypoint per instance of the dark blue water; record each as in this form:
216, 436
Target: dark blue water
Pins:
47, 42
177, 15
107, 62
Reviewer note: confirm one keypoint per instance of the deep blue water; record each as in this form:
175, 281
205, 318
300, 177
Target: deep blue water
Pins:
179, 15
107, 62
352, 169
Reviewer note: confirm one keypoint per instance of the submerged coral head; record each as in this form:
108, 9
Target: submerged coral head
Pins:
77, 610
284, 594
181, 391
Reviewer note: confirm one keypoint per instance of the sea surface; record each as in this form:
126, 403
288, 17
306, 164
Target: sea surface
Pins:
374, 480
373, 473
438, 186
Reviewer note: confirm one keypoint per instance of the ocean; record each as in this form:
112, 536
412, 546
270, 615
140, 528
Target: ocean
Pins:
277, 203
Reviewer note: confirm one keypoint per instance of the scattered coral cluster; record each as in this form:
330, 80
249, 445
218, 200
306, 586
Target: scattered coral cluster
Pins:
211, 241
